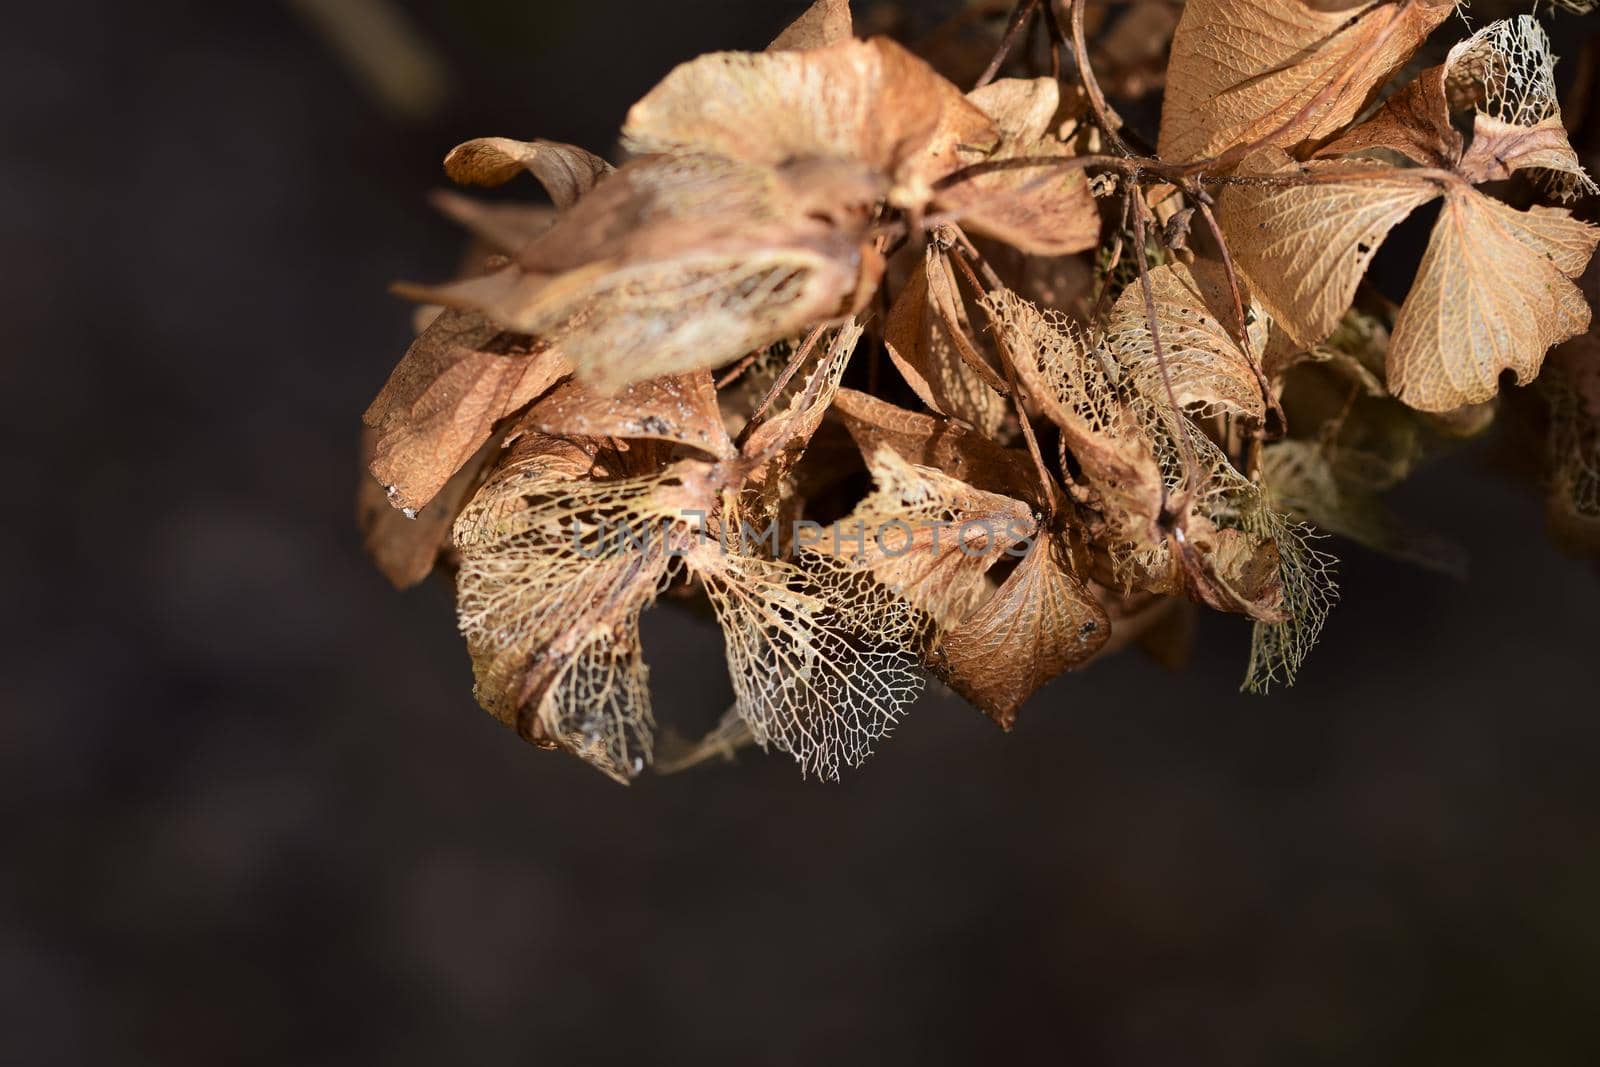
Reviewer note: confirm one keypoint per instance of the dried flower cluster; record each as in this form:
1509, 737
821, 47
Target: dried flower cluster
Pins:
907, 381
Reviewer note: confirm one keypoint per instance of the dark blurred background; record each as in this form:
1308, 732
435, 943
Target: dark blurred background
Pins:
253, 815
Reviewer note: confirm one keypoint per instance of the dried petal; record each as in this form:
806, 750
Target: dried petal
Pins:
1250, 71
930, 441
1493, 293
679, 408
458, 379
808, 399
1040, 210
566, 171
928, 537
406, 549
821, 24
1509, 71
1414, 122
1079, 388
922, 339
822, 658
866, 101
1040, 622
555, 572
1304, 247
1208, 370
677, 264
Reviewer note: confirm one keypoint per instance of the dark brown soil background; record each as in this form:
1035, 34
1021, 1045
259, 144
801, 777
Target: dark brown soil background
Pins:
252, 814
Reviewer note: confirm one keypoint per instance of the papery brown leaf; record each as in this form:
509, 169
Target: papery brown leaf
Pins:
930, 441
1038, 210
928, 537
1247, 71
681, 408
822, 658
459, 378
864, 101
1040, 622
566, 171
922, 336
821, 24
1493, 293
1209, 372
679, 263
1304, 247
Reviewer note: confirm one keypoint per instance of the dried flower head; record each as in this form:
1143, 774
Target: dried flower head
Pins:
901, 380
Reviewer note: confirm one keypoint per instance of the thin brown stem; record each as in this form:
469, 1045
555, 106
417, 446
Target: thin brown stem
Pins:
732, 374
1007, 363
1108, 120
1140, 231
789, 369
1058, 40
969, 355
1019, 19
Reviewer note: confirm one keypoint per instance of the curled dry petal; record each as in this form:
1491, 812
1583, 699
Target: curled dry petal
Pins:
1494, 293
1508, 70
1500, 149
1040, 622
457, 380
566, 171
1041, 210
870, 102
1414, 122
1279, 72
